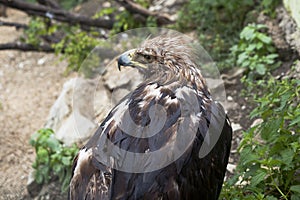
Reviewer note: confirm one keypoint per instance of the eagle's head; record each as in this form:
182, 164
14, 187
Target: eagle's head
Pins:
165, 56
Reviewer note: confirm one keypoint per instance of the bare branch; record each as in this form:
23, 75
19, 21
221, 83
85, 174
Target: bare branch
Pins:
26, 47
132, 7
49, 3
14, 24
57, 14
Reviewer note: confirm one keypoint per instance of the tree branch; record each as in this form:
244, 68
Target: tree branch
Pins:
17, 25
57, 14
26, 47
132, 7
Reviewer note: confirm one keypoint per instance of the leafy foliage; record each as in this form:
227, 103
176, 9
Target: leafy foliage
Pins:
37, 28
218, 23
76, 45
52, 158
269, 166
255, 51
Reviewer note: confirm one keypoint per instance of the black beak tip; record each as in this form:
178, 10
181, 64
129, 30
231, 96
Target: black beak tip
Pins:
123, 60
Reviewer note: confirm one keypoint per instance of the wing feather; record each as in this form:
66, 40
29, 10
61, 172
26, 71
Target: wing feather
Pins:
187, 176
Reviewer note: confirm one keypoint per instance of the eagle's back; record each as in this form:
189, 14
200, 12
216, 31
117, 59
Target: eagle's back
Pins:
188, 177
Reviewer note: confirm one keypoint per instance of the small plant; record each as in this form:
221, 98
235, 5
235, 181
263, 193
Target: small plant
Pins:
269, 166
37, 28
255, 51
52, 158
76, 46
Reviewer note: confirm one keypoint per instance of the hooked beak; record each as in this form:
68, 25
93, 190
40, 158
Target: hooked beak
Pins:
126, 59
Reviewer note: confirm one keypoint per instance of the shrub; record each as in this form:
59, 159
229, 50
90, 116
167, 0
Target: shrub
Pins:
255, 51
269, 166
53, 159
76, 46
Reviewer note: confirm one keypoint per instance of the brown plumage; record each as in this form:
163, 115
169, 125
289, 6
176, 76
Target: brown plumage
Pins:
184, 116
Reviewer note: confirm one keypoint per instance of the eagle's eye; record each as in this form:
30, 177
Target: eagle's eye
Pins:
148, 58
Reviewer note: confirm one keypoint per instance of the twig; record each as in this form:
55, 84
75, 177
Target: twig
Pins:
57, 14
26, 47
17, 25
132, 7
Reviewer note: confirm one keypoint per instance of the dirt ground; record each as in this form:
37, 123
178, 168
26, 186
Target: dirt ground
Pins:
29, 84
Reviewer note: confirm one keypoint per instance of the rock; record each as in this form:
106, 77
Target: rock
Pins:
230, 105
72, 115
229, 98
256, 122
127, 78
289, 27
235, 127
231, 167
42, 60
217, 88
118, 94
293, 8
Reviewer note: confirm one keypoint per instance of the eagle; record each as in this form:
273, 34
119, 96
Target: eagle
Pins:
167, 139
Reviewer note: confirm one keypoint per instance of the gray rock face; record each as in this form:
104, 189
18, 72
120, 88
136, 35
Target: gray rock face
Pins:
290, 28
72, 115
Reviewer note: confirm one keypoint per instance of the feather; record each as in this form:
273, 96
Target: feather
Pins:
167, 139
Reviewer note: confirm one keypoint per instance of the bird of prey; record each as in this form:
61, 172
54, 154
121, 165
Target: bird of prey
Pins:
155, 135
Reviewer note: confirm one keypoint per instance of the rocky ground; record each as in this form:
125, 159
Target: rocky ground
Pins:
29, 85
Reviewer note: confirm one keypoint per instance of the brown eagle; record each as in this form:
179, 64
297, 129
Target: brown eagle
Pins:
167, 139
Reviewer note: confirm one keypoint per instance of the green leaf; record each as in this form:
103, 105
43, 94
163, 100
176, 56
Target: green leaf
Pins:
295, 197
247, 156
38, 177
66, 161
43, 155
258, 178
272, 56
295, 121
287, 158
271, 198
247, 33
270, 129
53, 143
295, 188
243, 56
261, 69
264, 38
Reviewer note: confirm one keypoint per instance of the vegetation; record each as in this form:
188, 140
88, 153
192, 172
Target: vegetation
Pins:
218, 23
270, 151
75, 44
53, 159
255, 51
